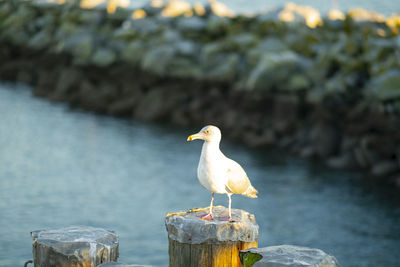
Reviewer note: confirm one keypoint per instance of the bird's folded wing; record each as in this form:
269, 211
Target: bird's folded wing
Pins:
238, 182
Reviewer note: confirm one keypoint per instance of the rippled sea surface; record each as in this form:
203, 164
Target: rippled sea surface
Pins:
62, 167
385, 7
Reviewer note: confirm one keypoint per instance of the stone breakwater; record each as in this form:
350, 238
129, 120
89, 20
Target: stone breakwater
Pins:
324, 88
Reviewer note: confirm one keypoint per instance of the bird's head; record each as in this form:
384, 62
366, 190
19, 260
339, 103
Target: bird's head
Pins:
208, 133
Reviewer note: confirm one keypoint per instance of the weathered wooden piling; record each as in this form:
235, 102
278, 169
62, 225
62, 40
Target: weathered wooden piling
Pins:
287, 255
196, 242
76, 246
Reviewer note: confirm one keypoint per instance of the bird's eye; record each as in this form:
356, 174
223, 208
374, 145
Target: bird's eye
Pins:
207, 131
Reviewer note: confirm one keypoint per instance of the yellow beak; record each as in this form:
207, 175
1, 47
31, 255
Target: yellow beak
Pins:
194, 136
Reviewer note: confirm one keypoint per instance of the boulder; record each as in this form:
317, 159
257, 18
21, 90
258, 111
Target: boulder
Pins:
68, 80
134, 52
384, 168
273, 70
325, 140
286, 255
103, 57
176, 8
191, 24
346, 160
386, 85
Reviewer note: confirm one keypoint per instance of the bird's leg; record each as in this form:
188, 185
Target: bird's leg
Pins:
229, 217
208, 216
212, 200
229, 204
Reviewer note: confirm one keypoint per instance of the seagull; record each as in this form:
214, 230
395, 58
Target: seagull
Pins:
220, 174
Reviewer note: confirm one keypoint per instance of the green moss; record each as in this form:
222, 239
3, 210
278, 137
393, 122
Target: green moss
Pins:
248, 258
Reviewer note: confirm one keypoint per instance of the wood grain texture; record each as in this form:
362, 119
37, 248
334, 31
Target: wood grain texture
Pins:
221, 254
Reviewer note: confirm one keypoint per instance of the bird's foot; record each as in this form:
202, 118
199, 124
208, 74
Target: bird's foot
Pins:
206, 217
225, 219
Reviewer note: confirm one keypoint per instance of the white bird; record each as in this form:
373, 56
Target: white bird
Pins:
219, 174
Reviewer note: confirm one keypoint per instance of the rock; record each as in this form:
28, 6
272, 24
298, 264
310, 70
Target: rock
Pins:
179, 117
175, 8
171, 35
307, 152
220, 9
267, 137
94, 98
325, 140
46, 82
335, 14
104, 57
297, 13
123, 107
243, 41
384, 168
158, 59
285, 114
397, 181
222, 67
82, 47
133, 52
191, 24
69, 79
157, 104
286, 255
298, 82
386, 86
343, 161
268, 44
364, 154
185, 68
360, 14
74, 246
188, 228
41, 40
217, 25
153, 8
272, 70
25, 76
185, 47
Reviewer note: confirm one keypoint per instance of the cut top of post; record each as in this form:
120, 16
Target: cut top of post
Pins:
187, 227
57, 238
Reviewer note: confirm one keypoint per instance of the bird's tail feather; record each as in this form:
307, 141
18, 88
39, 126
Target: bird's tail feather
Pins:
251, 192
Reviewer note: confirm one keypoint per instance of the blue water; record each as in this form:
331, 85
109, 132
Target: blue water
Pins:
386, 7
62, 167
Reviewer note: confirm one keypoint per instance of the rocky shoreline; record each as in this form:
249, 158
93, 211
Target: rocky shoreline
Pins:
326, 88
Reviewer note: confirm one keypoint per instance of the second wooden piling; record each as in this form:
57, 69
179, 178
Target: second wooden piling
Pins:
74, 246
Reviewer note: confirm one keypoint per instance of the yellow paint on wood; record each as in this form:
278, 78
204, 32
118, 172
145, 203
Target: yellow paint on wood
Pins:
218, 254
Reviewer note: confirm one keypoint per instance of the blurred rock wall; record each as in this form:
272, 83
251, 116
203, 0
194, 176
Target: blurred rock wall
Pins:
326, 88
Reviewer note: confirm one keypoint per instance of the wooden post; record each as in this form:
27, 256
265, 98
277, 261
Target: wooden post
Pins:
195, 242
76, 246
287, 255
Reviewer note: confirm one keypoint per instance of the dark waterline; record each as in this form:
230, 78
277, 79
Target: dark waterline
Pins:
61, 167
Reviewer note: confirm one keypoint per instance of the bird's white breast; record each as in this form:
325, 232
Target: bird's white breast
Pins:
212, 170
